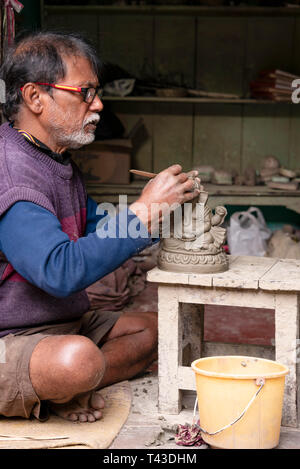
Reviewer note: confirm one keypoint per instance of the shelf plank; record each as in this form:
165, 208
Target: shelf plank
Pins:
175, 10
213, 189
191, 100
241, 191
218, 194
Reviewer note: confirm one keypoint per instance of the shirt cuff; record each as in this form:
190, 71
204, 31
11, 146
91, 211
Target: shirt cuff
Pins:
125, 225
130, 226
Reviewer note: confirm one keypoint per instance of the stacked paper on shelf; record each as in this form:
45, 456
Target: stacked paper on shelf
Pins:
275, 85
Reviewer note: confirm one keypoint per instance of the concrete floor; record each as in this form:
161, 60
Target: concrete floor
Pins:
146, 428
245, 331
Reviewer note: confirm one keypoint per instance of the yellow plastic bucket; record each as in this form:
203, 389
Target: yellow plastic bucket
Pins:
240, 401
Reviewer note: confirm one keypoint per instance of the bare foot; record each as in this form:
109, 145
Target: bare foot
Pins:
85, 408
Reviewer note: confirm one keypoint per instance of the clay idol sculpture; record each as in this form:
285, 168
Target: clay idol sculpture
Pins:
195, 240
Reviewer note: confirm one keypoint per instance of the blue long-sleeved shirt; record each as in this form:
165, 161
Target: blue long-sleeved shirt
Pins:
33, 242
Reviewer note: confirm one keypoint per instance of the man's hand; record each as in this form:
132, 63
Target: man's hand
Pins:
163, 193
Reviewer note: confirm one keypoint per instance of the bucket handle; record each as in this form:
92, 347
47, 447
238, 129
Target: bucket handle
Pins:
259, 382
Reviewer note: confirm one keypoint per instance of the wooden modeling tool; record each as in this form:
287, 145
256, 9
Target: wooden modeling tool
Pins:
143, 173
148, 175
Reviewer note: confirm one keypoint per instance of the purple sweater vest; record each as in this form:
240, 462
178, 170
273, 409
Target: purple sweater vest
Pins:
28, 174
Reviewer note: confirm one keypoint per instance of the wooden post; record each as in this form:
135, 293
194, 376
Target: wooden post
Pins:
194, 328
1, 31
286, 342
169, 349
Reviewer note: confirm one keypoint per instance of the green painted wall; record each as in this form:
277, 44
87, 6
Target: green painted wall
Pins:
220, 53
30, 16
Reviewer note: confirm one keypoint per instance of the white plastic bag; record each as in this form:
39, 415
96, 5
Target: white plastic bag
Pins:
247, 234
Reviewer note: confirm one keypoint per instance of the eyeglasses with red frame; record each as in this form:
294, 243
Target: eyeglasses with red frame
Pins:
87, 93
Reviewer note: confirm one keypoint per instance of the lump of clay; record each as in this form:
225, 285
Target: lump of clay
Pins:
283, 245
266, 173
238, 179
289, 186
271, 162
222, 177
280, 179
205, 173
287, 173
250, 177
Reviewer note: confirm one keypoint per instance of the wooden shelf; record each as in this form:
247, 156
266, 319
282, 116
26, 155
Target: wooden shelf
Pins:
219, 48
213, 189
176, 10
218, 194
242, 191
252, 196
191, 100
111, 192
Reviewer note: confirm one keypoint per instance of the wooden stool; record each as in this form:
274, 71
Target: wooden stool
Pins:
257, 282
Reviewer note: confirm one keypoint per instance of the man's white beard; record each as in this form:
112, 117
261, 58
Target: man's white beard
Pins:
80, 137
76, 139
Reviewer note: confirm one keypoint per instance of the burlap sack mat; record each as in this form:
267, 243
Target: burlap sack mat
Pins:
59, 433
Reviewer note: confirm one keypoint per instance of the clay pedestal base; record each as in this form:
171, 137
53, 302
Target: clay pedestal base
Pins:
198, 249
199, 262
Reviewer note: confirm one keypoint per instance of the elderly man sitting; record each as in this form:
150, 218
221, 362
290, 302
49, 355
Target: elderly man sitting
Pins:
58, 353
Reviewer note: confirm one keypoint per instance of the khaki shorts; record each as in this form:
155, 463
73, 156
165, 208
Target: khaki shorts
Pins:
17, 396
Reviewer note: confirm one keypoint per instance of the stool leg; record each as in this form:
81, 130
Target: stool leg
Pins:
193, 319
169, 350
286, 338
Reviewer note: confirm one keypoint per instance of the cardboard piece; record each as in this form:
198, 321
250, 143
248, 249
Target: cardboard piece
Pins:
105, 161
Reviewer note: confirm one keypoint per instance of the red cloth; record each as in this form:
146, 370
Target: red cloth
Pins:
10, 7
189, 435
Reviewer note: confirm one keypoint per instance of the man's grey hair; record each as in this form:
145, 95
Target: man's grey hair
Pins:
39, 57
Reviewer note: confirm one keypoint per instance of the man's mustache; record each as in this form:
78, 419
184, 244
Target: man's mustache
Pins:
93, 119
